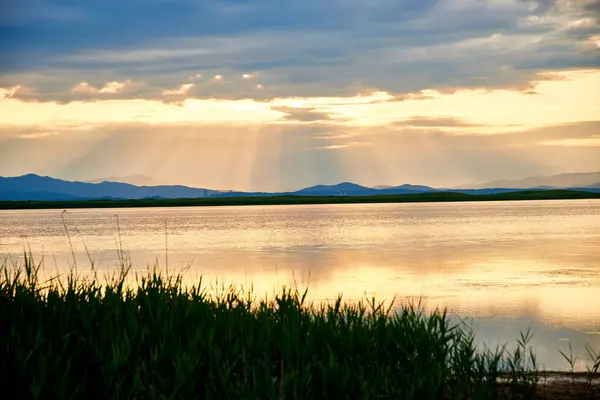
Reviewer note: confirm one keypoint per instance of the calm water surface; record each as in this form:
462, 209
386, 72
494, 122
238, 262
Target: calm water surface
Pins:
503, 267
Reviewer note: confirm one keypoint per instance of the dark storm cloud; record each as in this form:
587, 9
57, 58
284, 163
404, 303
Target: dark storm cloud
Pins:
308, 48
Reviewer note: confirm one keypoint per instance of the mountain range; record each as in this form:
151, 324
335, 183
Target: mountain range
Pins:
43, 188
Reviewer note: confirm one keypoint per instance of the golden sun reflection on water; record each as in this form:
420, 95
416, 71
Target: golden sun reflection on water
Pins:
557, 296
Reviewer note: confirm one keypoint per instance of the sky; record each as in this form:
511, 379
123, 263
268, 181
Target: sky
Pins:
278, 95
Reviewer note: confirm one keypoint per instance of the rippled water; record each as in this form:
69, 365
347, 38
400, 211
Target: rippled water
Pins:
504, 266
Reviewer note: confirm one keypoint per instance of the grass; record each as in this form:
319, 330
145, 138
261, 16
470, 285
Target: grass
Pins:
283, 200
591, 372
80, 338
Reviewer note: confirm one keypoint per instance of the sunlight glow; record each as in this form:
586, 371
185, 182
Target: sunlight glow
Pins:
571, 97
564, 97
79, 113
594, 142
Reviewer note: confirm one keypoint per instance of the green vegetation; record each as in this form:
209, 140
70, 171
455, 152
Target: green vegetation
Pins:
77, 338
281, 200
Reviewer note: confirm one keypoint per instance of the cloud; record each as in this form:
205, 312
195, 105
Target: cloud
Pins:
84, 87
340, 146
114, 87
182, 90
594, 142
108, 88
38, 11
439, 122
315, 101
302, 115
37, 135
312, 49
9, 92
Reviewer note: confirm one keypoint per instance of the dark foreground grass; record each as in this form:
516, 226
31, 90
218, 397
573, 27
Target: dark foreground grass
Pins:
83, 339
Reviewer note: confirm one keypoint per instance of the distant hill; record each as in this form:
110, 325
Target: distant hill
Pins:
137, 180
561, 181
408, 189
34, 187
344, 188
35, 195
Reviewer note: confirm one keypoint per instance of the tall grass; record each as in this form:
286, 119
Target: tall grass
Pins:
160, 340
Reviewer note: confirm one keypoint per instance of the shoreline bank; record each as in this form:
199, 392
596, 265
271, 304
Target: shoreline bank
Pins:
438, 197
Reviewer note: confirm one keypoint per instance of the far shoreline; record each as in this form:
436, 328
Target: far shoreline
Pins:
437, 197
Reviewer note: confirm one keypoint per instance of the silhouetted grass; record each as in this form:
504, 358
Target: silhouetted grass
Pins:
283, 200
79, 338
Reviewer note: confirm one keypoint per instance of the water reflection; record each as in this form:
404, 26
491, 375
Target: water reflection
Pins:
503, 266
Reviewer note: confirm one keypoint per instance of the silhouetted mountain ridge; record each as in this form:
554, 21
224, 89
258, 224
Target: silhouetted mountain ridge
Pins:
343, 188
44, 188
35, 187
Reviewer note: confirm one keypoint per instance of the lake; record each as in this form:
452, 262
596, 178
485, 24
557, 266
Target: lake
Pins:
502, 267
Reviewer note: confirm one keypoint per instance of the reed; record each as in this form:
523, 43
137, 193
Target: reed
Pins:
85, 338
